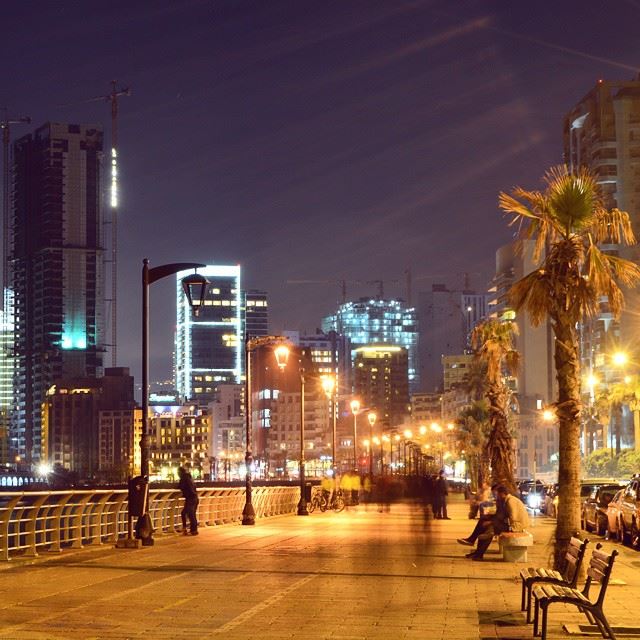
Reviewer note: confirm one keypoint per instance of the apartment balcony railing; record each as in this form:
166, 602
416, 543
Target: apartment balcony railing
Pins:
36, 522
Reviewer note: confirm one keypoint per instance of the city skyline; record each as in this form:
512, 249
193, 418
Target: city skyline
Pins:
376, 137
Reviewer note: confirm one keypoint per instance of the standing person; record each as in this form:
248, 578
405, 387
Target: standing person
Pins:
190, 495
440, 493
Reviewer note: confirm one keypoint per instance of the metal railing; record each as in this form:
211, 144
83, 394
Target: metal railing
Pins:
50, 521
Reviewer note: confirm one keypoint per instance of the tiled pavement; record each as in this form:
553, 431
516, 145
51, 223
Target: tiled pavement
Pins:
350, 576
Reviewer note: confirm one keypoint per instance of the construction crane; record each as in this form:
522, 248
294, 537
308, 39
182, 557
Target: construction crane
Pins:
342, 282
113, 97
5, 125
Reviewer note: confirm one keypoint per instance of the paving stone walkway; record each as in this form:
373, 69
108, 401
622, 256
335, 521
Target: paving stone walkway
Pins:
356, 575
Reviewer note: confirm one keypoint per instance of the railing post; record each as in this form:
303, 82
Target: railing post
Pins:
7, 510
55, 545
30, 529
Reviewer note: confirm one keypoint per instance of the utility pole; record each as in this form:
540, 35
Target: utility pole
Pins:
112, 97
5, 125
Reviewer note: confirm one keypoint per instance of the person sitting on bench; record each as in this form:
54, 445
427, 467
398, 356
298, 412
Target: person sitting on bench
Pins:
517, 520
485, 521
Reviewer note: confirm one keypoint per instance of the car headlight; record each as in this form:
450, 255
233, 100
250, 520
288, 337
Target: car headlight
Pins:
533, 500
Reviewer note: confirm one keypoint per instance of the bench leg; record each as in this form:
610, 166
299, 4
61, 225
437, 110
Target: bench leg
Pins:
604, 627
524, 590
545, 610
536, 616
529, 596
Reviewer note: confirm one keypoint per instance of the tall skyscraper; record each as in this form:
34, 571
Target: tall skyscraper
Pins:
602, 132
57, 268
444, 321
209, 347
370, 321
7, 371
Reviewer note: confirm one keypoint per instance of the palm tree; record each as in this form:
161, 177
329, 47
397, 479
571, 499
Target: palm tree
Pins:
568, 220
492, 341
472, 435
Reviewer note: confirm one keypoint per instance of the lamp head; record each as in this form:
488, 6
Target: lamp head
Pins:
371, 416
328, 384
355, 406
195, 289
281, 353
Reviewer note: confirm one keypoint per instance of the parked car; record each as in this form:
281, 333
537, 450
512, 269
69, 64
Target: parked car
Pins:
629, 517
594, 508
586, 487
532, 493
613, 517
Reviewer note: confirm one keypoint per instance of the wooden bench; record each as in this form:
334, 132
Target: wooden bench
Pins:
567, 578
599, 571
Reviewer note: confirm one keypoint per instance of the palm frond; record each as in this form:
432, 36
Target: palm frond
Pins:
612, 226
531, 293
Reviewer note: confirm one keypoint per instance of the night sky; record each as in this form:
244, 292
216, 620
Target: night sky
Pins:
314, 140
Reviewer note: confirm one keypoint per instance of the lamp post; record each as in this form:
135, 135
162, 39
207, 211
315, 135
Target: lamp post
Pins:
355, 409
371, 416
383, 439
302, 503
397, 439
192, 284
281, 352
329, 386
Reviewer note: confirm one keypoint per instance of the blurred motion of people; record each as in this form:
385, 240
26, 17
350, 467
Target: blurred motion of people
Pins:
440, 493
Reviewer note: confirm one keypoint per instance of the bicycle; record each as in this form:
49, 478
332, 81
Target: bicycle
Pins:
318, 501
337, 501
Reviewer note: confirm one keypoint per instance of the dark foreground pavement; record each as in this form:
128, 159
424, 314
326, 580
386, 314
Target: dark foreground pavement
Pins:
349, 576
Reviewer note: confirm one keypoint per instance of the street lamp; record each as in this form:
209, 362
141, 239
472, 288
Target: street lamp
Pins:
302, 503
355, 409
371, 416
195, 288
383, 439
281, 353
329, 386
397, 439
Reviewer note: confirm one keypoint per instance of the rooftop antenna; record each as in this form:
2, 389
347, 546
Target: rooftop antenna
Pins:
5, 125
112, 97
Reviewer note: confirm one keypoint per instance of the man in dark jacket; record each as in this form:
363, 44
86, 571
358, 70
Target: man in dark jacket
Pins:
190, 495
440, 493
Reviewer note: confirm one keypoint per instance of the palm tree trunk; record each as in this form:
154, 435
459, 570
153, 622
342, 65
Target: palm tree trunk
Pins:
568, 412
499, 445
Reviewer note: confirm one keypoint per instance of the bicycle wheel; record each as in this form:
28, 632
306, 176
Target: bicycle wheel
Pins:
338, 504
323, 504
311, 506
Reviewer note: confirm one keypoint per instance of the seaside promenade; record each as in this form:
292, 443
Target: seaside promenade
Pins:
355, 575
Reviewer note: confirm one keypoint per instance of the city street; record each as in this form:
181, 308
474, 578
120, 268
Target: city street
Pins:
349, 576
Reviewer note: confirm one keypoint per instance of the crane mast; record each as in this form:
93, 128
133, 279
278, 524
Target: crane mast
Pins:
5, 125
113, 97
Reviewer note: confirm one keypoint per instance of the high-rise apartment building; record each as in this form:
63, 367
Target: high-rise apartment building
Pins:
209, 346
534, 383
446, 318
256, 310
602, 132
381, 382
72, 419
57, 269
370, 321
227, 439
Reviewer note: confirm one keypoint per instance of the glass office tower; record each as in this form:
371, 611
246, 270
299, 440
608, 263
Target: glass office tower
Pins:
209, 347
